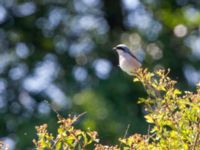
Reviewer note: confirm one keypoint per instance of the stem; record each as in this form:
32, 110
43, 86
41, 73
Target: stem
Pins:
197, 136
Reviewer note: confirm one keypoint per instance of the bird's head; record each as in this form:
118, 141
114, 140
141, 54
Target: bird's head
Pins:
122, 47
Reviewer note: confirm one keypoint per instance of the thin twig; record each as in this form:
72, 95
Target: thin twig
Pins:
125, 134
51, 106
148, 131
80, 115
197, 136
196, 141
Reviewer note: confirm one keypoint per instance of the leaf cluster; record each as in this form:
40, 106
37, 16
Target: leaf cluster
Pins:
173, 117
68, 137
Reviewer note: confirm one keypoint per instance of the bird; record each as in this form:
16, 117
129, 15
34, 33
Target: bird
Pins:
128, 62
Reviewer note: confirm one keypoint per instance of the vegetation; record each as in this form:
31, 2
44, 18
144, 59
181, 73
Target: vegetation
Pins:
58, 54
173, 116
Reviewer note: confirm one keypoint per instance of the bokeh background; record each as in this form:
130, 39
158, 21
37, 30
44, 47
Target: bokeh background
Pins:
56, 55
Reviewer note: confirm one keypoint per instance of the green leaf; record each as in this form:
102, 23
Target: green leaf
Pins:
136, 79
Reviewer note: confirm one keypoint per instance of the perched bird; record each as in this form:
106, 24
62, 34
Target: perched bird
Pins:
129, 64
127, 61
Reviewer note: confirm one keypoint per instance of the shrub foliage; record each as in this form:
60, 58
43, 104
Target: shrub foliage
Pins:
173, 117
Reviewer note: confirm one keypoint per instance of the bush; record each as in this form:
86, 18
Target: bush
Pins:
173, 117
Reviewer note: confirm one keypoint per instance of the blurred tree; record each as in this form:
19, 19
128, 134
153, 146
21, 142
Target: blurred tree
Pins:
61, 52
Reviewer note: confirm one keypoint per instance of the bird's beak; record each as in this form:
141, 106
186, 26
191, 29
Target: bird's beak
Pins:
114, 48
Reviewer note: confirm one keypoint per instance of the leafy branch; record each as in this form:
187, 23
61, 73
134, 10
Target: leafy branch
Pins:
174, 117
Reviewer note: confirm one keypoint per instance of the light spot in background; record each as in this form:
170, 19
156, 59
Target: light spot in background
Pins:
25, 9
180, 30
84, 46
18, 71
80, 73
3, 14
139, 18
134, 42
92, 3
22, 50
44, 73
3, 85
193, 42
9, 142
72, 27
87, 6
88, 23
58, 97
136, 39
60, 43
192, 75
43, 108
191, 14
80, 6
55, 17
102, 68
48, 26
131, 4
154, 51
7, 3
140, 54
41, 81
6, 59
27, 101
153, 30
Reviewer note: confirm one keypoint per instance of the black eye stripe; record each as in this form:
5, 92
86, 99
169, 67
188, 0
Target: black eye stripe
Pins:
121, 48
124, 49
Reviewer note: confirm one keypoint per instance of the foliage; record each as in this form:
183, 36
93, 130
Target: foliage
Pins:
173, 117
61, 51
67, 138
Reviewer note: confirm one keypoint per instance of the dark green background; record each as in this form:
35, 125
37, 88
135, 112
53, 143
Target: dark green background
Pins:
57, 54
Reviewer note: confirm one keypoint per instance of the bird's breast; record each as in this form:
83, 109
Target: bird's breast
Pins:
128, 63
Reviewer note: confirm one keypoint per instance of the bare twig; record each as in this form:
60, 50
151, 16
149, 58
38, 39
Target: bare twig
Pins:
125, 134
197, 136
